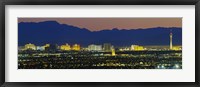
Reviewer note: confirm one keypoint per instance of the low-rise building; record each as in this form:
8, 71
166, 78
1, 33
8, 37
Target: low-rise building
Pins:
94, 47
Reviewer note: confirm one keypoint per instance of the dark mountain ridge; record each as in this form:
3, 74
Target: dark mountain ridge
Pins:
52, 32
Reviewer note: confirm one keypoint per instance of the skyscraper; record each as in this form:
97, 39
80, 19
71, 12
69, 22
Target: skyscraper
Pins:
107, 47
113, 52
171, 46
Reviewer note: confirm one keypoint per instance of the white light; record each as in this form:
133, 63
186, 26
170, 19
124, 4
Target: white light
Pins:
163, 67
177, 66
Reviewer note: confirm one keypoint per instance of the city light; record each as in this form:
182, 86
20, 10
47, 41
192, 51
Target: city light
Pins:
99, 56
77, 48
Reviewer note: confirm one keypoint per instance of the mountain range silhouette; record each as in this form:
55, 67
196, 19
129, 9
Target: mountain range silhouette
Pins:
40, 33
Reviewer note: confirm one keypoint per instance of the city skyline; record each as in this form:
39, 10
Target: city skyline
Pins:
100, 43
98, 24
96, 47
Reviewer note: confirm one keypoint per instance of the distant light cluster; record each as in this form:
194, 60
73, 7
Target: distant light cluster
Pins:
107, 47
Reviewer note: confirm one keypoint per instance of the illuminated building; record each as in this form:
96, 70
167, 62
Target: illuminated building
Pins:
21, 48
113, 52
107, 47
93, 47
65, 47
171, 47
137, 48
76, 47
41, 48
46, 46
30, 47
177, 48
124, 49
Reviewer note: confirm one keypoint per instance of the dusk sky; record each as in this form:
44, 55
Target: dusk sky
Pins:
96, 24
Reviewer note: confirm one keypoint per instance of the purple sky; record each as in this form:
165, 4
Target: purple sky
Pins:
96, 24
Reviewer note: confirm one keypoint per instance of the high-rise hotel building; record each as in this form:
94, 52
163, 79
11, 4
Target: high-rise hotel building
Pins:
76, 47
65, 47
30, 47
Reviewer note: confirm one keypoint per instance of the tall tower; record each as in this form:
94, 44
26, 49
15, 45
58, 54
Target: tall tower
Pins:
171, 46
113, 52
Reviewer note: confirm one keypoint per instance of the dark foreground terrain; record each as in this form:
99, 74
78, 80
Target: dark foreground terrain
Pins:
100, 60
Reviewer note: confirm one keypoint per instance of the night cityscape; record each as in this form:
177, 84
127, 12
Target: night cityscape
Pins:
42, 46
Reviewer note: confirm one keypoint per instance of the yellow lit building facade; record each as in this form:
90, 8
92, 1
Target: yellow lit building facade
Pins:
113, 52
46, 45
76, 47
137, 48
65, 47
176, 48
30, 47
